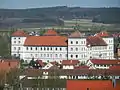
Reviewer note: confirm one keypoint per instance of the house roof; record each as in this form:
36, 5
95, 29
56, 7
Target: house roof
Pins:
92, 85
8, 64
95, 41
19, 33
74, 72
103, 34
40, 62
116, 67
70, 62
51, 33
46, 41
76, 34
81, 67
105, 62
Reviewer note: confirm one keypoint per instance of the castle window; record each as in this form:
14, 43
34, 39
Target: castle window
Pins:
56, 55
18, 48
71, 56
19, 38
44, 48
51, 48
36, 48
26, 48
76, 49
76, 56
71, 49
48, 48
60, 55
71, 42
55, 48
14, 41
76, 42
14, 48
18, 41
31, 48
41, 48
60, 49
14, 38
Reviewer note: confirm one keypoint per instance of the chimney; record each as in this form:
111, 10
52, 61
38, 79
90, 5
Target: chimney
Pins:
9, 64
1, 60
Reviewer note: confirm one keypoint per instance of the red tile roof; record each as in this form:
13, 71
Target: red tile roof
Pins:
81, 67
95, 41
46, 41
20, 33
103, 34
70, 62
54, 63
105, 62
91, 85
114, 67
50, 33
76, 34
40, 62
8, 64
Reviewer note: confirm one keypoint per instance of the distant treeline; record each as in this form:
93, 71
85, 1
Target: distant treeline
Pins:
105, 15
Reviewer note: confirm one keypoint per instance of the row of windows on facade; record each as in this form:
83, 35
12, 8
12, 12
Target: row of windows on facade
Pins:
48, 55
76, 42
94, 48
102, 65
18, 38
16, 42
44, 48
76, 56
44, 55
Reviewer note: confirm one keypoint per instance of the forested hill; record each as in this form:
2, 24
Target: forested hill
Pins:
105, 15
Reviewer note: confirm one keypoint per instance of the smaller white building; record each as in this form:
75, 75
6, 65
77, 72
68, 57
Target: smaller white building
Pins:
102, 63
70, 64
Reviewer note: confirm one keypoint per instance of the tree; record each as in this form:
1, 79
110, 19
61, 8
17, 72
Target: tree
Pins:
2, 79
12, 78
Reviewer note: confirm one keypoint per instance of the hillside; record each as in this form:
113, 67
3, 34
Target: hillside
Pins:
62, 12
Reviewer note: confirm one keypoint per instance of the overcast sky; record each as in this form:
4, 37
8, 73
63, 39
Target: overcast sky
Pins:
18, 4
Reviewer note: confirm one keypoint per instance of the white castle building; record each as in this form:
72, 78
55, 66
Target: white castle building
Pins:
53, 47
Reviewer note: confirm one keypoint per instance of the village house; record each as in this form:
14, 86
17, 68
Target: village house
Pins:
102, 63
70, 64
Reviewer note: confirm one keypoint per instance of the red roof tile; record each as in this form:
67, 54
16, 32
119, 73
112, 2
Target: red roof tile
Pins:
8, 64
20, 33
54, 63
105, 62
114, 67
103, 34
95, 41
51, 33
46, 41
70, 62
81, 67
40, 62
91, 85
76, 34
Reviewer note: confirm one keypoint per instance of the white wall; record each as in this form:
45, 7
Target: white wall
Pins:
77, 49
68, 67
17, 47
